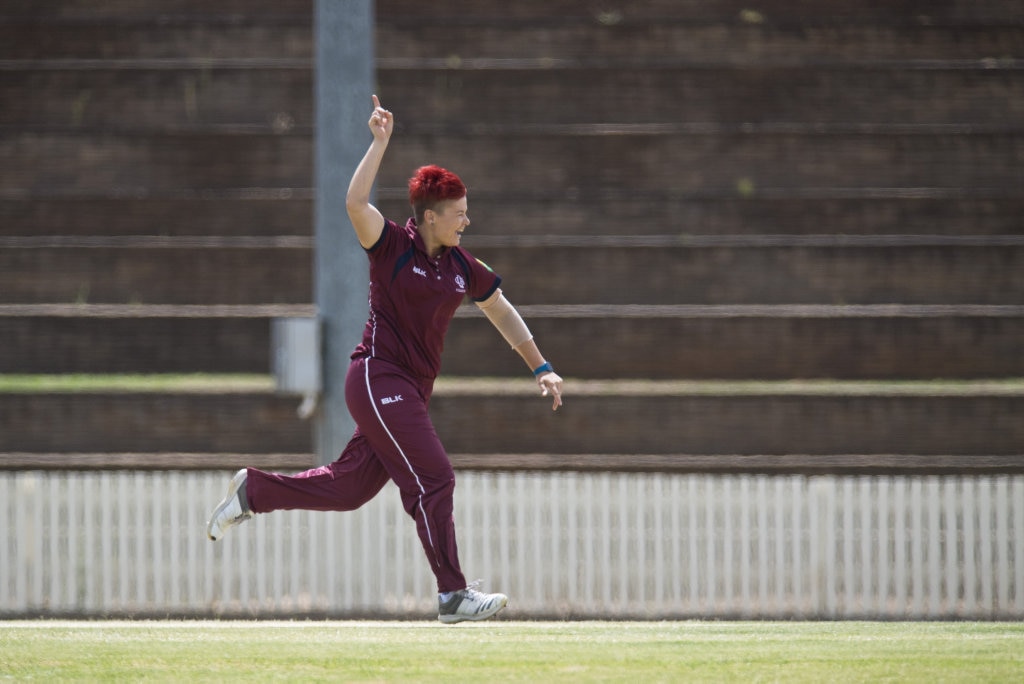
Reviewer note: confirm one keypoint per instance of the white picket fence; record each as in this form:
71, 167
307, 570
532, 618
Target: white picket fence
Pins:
609, 545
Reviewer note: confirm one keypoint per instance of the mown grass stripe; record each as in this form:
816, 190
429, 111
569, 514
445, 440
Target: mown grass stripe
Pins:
482, 386
199, 382
510, 651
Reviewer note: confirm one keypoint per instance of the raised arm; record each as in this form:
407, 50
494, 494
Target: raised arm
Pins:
367, 221
510, 324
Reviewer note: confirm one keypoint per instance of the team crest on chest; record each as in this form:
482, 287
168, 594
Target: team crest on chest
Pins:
460, 283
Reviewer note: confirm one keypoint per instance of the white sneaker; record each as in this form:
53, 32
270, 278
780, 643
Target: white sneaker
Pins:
469, 604
233, 510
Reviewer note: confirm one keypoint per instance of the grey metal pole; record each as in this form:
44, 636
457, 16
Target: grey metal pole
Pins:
344, 82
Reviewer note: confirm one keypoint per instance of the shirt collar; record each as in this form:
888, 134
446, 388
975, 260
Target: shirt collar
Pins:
417, 239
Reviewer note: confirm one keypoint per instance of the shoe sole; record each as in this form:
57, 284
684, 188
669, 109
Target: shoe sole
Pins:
455, 617
236, 482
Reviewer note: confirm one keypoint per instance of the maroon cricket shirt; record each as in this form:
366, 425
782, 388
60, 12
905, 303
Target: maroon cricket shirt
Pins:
413, 298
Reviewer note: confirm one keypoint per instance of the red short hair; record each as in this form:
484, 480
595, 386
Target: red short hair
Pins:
431, 185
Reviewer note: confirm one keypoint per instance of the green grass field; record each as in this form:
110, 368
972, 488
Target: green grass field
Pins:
13, 383
500, 651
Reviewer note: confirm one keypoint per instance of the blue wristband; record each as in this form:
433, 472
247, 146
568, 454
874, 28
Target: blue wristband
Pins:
545, 367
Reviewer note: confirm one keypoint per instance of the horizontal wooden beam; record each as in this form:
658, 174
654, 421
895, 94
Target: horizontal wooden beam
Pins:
753, 424
648, 342
785, 464
157, 461
774, 464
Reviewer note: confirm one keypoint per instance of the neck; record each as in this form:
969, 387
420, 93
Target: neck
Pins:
430, 243
433, 248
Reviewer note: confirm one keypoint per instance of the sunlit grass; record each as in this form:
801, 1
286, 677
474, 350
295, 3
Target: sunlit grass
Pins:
254, 382
182, 382
501, 651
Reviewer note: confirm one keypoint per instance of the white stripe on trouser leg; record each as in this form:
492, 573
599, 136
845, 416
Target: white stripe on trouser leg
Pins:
423, 492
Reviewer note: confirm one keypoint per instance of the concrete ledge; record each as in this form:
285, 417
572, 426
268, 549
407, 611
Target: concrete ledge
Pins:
760, 423
701, 161
640, 160
789, 91
786, 17
775, 464
273, 96
829, 270
669, 342
126, 162
208, 422
768, 211
172, 271
604, 270
135, 345
157, 461
737, 343
839, 464
270, 211
276, 212
734, 425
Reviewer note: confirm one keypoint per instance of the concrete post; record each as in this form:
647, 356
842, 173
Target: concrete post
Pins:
344, 82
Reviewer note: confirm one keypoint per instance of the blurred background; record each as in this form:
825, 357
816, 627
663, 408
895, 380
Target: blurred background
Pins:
776, 249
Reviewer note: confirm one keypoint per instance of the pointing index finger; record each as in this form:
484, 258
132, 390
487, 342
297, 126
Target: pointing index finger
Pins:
376, 102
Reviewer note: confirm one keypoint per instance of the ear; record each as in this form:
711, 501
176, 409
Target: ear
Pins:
429, 215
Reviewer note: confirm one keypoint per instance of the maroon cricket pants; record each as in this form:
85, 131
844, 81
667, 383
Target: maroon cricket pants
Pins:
394, 439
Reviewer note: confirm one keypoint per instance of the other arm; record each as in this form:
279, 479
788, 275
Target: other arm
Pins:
510, 324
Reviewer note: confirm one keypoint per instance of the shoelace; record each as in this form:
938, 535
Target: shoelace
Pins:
472, 590
244, 515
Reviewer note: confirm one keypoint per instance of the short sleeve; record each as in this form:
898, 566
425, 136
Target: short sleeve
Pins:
387, 232
483, 281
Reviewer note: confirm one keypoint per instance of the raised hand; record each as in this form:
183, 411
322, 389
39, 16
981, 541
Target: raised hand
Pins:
382, 122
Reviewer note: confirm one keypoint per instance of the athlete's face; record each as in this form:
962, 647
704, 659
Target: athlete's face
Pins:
446, 222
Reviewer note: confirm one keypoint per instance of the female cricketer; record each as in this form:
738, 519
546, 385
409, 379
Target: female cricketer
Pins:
419, 275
